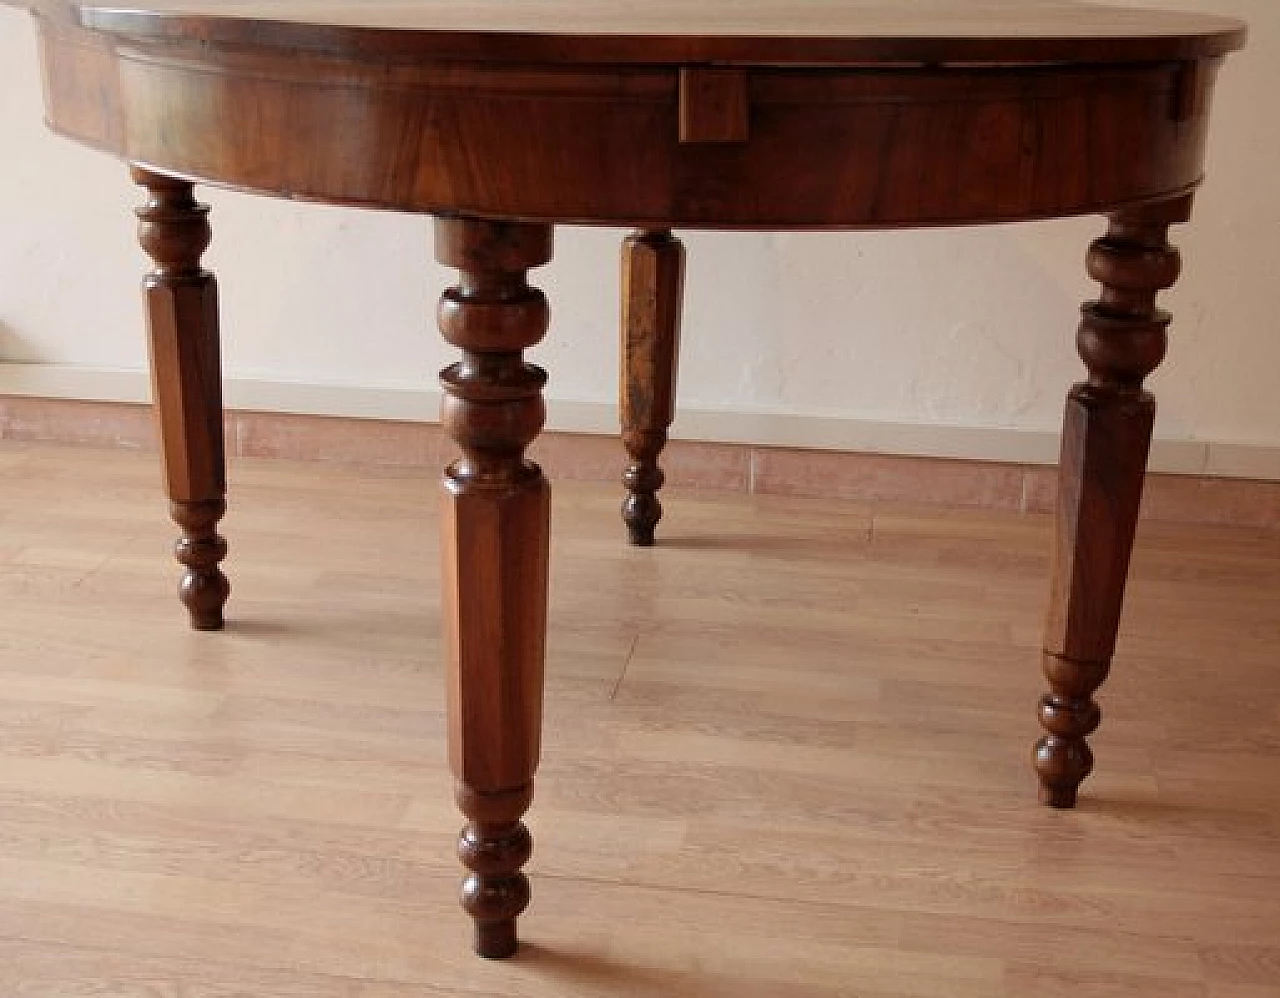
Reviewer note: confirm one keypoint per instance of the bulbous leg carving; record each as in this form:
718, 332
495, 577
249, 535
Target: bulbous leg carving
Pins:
1105, 442
1068, 715
494, 846
652, 290
643, 479
496, 534
200, 549
182, 326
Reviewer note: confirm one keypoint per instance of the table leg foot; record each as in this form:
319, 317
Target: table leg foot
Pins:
641, 508
494, 846
1062, 757
652, 290
182, 326
1063, 798
497, 940
1105, 441
496, 519
204, 589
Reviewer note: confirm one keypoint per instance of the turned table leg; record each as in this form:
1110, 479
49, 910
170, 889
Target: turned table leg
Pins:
652, 288
182, 325
1105, 441
496, 517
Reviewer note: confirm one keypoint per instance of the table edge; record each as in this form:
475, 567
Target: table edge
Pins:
1229, 36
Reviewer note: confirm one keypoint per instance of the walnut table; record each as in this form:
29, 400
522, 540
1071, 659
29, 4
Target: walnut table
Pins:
502, 118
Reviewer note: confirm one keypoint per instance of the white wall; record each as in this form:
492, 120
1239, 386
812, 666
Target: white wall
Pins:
956, 342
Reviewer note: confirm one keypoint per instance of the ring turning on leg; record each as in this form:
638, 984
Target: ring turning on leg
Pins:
1105, 441
182, 325
496, 517
652, 287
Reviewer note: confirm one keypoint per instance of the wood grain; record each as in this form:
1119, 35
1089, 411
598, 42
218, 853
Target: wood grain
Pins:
715, 104
867, 116
652, 303
1105, 442
496, 536
782, 757
186, 379
851, 147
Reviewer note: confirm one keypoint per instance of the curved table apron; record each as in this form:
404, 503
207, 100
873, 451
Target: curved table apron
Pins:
500, 133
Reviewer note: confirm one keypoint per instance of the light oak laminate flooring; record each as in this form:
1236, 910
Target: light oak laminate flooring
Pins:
786, 754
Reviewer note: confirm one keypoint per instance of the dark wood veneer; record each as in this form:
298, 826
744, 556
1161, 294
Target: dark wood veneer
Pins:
868, 147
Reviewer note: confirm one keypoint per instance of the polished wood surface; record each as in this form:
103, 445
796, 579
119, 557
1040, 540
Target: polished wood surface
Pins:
835, 148
715, 104
652, 301
783, 758
496, 536
182, 326
826, 116
1105, 441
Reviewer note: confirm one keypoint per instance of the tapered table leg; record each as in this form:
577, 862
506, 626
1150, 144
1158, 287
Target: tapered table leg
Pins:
496, 517
182, 324
1105, 441
652, 291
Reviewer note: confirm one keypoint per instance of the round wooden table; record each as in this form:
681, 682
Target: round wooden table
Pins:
502, 118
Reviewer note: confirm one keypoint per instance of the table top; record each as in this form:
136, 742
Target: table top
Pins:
782, 32
923, 112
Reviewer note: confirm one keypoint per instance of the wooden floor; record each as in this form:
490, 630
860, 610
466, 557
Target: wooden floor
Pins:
786, 755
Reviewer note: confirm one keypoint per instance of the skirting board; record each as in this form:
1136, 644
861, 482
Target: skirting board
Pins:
421, 448
1213, 459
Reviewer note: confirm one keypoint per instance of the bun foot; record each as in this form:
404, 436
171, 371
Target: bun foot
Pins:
496, 940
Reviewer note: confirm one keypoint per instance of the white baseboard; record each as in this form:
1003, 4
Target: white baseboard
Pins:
1223, 459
